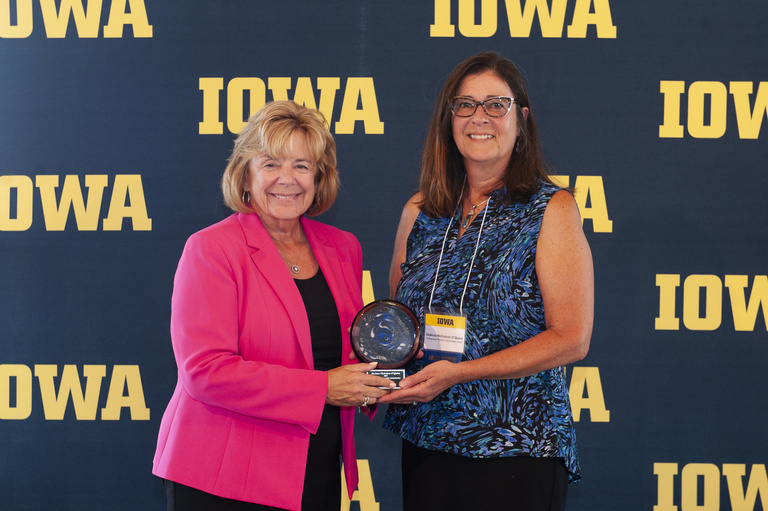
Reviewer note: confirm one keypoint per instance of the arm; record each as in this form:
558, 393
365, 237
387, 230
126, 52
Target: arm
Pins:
564, 270
407, 219
210, 333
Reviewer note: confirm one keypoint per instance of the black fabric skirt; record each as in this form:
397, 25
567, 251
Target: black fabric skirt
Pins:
439, 481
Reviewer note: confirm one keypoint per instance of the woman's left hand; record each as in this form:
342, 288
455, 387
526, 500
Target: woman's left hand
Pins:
426, 384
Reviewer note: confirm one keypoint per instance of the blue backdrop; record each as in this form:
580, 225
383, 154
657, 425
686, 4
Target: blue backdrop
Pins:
116, 119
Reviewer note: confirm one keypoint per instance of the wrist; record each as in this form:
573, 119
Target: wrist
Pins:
462, 373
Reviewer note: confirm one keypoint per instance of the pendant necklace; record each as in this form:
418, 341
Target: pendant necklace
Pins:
294, 267
471, 213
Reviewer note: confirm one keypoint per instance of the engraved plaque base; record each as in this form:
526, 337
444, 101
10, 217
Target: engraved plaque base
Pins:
391, 374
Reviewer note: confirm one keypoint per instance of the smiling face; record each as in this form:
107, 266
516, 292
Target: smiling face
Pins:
485, 142
282, 187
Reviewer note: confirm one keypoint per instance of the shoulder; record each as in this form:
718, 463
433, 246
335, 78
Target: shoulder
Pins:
414, 203
216, 233
220, 245
222, 227
329, 234
562, 203
325, 230
228, 239
562, 220
408, 217
547, 191
549, 197
411, 209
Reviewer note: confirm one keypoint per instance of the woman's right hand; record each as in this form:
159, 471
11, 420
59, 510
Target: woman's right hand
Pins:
349, 385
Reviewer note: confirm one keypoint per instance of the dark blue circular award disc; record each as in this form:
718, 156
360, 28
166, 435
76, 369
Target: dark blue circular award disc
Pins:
387, 332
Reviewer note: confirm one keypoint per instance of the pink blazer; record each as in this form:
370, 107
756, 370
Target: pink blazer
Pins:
247, 396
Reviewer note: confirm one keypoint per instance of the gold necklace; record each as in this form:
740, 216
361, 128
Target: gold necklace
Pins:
471, 213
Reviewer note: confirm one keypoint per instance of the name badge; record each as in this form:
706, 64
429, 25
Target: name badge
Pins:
444, 336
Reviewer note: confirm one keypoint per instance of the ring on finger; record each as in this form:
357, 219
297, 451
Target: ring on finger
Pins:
365, 403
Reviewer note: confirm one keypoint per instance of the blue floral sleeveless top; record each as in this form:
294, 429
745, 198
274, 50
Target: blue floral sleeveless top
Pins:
487, 418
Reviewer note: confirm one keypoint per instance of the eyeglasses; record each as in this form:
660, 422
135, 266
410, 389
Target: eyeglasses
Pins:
498, 106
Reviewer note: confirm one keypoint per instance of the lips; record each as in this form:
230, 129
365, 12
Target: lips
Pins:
285, 197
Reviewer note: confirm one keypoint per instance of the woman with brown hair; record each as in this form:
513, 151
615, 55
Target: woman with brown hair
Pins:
491, 243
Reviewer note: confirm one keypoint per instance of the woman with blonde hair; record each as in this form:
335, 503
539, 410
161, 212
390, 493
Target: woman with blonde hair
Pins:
263, 410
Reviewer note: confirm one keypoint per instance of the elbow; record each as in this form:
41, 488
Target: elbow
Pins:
581, 345
582, 349
201, 375
195, 382
573, 342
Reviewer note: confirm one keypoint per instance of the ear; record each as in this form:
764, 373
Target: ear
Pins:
525, 112
247, 176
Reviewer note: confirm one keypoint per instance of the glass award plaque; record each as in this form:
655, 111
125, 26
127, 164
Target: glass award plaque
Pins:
387, 332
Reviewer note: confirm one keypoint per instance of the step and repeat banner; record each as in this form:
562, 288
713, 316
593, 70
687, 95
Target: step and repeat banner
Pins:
116, 120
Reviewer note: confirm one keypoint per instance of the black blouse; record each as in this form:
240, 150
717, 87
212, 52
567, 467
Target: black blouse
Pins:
322, 480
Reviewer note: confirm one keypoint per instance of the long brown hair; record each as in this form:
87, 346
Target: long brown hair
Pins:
442, 168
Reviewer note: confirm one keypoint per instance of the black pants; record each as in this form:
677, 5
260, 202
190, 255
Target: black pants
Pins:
185, 498
439, 481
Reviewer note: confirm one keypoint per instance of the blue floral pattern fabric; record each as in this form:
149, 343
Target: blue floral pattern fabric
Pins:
487, 418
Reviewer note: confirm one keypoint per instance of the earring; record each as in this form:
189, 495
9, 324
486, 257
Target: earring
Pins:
246, 197
517, 145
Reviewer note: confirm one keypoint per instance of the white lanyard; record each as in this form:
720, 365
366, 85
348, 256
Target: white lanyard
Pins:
471, 264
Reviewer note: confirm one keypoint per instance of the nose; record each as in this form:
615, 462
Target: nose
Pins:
480, 115
286, 174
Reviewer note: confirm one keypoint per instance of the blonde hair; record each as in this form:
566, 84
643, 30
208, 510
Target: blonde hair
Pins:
268, 132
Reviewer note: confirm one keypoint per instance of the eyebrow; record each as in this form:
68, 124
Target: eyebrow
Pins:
270, 157
489, 96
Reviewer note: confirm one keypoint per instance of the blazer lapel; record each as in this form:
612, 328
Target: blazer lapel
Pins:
270, 264
329, 259
337, 269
